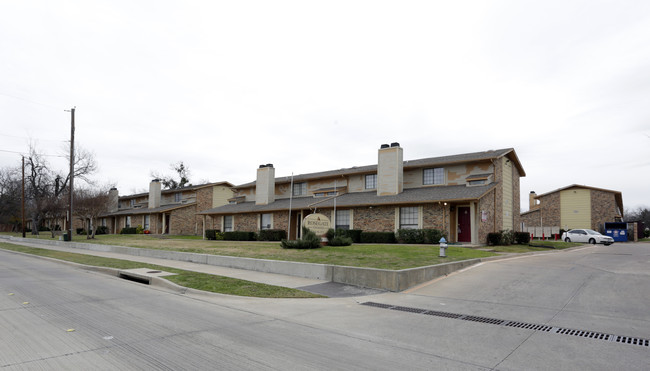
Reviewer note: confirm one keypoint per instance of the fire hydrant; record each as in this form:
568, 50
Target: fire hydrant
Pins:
443, 248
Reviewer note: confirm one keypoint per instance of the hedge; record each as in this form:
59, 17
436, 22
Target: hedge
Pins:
101, 230
378, 237
338, 238
354, 234
129, 230
272, 235
522, 238
239, 236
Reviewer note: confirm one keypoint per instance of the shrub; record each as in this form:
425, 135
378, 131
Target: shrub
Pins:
101, 230
507, 237
378, 237
522, 238
213, 234
139, 229
81, 231
43, 229
239, 236
410, 236
433, 236
494, 239
129, 230
272, 235
646, 233
338, 238
309, 240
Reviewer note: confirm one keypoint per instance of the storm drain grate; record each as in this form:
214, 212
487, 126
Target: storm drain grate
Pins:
517, 324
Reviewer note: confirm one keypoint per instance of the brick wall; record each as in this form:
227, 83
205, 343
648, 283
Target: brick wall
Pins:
516, 199
183, 221
246, 222
603, 208
486, 204
550, 205
432, 217
376, 219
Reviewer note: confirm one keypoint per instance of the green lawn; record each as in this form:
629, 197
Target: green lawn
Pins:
393, 256
195, 280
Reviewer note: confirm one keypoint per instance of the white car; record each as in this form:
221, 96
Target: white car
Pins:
586, 236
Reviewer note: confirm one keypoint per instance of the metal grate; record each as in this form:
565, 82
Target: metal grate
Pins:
517, 324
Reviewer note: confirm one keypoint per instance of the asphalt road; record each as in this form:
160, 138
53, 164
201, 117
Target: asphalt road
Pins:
54, 316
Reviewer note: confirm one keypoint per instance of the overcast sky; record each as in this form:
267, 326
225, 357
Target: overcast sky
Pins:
310, 86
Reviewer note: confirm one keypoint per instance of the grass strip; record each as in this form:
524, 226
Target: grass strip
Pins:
194, 280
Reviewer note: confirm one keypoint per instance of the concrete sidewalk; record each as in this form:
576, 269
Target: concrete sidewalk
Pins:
316, 286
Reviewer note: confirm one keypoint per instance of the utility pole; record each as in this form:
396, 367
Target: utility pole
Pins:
71, 173
23, 198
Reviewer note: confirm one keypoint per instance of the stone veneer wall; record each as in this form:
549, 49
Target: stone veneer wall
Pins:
497, 209
516, 199
531, 219
375, 219
203, 202
603, 209
486, 204
550, 206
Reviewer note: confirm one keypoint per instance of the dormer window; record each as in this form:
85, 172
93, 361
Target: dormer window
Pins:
178, 197
371, 181
477, 180
433, 176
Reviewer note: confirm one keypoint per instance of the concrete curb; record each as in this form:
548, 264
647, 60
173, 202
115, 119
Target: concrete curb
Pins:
382, 279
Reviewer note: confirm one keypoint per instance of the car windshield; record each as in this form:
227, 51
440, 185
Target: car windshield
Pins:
589, 231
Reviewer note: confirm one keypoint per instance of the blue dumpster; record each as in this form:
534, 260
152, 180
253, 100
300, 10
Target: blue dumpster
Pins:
617, 231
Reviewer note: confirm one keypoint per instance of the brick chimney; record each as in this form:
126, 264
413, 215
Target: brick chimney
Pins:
154, 194
532, 202
390, 170
113, 196
265, 185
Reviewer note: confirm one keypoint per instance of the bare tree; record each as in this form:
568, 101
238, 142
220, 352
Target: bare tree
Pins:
47, 188
89, 205
170, 182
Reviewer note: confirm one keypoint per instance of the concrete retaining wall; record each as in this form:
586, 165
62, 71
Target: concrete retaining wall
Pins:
382, 279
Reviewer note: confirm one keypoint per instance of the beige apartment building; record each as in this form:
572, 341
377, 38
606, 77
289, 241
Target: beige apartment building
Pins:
170, 211
574, 206
466, 195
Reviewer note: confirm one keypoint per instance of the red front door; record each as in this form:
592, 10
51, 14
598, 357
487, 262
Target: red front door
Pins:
464, 225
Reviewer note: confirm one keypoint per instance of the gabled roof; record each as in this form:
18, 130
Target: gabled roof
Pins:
435, 194
577, 186
424, 162
188, 188
146, 210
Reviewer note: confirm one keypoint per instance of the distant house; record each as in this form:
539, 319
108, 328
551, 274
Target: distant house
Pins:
170, 211
574, 206
466, 195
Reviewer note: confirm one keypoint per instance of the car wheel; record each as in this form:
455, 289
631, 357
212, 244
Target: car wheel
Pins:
592, 241
567, 239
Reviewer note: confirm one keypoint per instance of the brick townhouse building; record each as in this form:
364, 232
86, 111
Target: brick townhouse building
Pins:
574, 206
170, 211
466, 195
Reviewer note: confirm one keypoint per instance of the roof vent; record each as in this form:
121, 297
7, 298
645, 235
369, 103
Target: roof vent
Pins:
384, 146
394, 144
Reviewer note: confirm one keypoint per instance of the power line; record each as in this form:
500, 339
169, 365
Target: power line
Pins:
27, 155
19, 137
27, 100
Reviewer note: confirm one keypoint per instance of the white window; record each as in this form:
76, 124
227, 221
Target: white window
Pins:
342, 219
127, 222
299, 189
132, 202
146, 222
408, 217
371, 181
227, 223
178, 196
433, 176
266, 221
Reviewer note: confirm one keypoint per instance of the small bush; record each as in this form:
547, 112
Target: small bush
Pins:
81, 231
433, 236
129, 230
507, 237
43, 229
309, 240
378, 237
213, 234
494, 239
139, 229
101, 230
522, 238
646, 233
337, 238
272, 235
239, 236
410, 236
